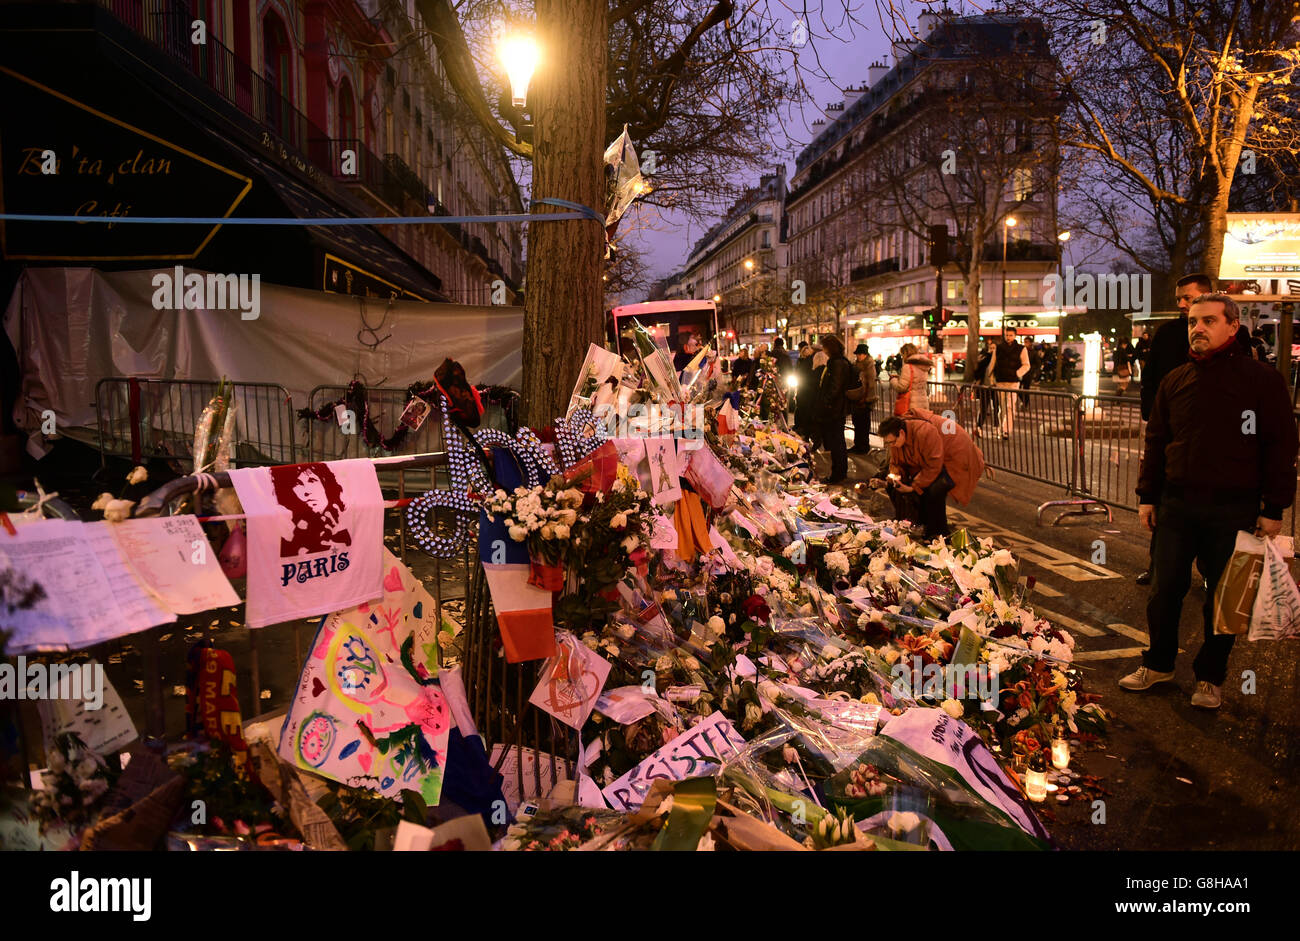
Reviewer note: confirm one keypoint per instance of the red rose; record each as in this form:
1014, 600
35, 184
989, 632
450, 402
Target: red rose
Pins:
756, 609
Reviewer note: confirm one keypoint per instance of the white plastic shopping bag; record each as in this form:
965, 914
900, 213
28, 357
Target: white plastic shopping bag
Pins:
1276, 614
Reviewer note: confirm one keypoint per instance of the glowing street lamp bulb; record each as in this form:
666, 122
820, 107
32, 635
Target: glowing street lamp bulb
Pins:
1011, 221
520, 55
717, 298
749, 264
1064, 236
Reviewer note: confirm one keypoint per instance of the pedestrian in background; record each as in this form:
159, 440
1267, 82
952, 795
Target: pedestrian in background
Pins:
837, 377
983, 380
863, 399
1010, 363
806, 420
912, 380
740, 368
1141, 350
1208, 473
1123, 371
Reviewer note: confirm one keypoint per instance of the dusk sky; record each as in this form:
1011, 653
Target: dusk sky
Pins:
835, 57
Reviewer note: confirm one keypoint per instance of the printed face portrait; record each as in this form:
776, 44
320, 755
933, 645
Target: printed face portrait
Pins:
314, 498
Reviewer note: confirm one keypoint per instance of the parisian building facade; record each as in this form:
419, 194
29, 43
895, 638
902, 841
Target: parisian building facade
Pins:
866, 265
252, 108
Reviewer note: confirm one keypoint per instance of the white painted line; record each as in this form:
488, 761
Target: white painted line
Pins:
1086, 629
1121, 652
1130, 632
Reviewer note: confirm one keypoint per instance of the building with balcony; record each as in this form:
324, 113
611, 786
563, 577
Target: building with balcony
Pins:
864, 261
741, 260
250, 108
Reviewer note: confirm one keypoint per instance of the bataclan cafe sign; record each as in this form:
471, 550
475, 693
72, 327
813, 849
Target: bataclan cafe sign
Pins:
66, 158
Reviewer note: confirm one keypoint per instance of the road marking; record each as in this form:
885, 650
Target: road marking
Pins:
1086, 629
1054, 560
1117, 654
1133, 632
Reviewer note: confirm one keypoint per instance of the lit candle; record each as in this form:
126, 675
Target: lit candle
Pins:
1036, 786
1060, 754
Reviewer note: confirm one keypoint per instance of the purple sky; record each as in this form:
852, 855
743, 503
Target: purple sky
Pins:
835, 56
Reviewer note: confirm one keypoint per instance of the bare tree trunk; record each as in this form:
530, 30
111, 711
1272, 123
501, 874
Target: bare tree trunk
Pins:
974, 292
564, 299
1215, 226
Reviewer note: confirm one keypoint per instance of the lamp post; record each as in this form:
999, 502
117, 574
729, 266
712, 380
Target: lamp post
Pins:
519, 54
1062, 238
749, 268
1010, 223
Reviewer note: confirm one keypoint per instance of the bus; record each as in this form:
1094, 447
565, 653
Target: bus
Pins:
672, 320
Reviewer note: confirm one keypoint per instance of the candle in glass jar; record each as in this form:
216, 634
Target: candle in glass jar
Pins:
1060, 754
1036, 786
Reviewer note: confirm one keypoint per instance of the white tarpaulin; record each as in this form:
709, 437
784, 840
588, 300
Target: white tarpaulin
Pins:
72, 327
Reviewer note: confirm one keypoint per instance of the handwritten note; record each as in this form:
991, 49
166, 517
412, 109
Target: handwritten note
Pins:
88, 594
172, 557
104, 730
694, 753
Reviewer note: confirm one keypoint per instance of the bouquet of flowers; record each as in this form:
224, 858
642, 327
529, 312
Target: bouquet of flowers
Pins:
74, 785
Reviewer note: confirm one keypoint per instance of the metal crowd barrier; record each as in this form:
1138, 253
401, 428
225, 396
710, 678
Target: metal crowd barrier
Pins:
155, 418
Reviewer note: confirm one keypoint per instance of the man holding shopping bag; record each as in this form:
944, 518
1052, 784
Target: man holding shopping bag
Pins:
1220, 457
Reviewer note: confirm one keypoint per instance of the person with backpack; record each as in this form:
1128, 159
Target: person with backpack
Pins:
838, 378
911, 381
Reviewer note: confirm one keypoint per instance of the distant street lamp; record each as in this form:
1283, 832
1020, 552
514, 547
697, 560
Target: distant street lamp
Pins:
519, 54
1010, 223
1062, 237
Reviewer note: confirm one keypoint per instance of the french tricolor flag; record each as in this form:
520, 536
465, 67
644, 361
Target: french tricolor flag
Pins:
523, 610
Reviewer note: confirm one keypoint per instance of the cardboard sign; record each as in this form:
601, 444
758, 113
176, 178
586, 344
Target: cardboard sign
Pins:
696, 752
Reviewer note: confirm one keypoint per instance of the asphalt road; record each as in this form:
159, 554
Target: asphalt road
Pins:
1178, 778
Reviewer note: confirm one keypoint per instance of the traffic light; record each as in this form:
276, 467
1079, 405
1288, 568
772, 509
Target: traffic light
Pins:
945, 315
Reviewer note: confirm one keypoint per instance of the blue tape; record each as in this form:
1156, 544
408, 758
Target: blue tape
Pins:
236, 220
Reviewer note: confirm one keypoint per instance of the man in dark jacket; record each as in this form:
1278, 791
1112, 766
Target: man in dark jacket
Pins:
1167, 352
832, 404
1220, 457
863, 399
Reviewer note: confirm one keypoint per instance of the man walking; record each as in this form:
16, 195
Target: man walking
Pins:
1220, 457
1010, 364
837, 378
1168, 351
930, 456
863, 399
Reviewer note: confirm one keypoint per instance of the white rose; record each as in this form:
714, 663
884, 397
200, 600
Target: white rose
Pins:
953, 708
518, 533
548, 531
619, 521
102, 501
717, 625
561, 531
138, 475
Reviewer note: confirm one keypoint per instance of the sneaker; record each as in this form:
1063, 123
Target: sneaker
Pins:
1144, 678
1207, 695
1144, 578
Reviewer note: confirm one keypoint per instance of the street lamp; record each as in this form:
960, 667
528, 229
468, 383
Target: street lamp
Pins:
519, 54
1010, 224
